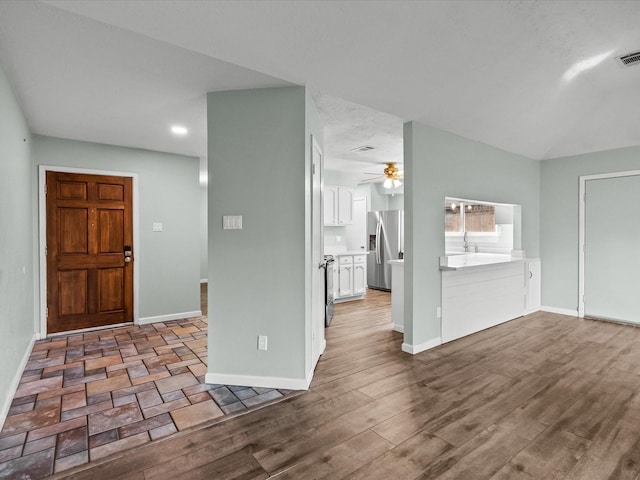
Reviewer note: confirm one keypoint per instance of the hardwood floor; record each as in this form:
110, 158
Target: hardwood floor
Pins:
544, 396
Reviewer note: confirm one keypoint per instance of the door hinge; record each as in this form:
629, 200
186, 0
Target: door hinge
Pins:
46, 251
313, 168
46, 312
45, 188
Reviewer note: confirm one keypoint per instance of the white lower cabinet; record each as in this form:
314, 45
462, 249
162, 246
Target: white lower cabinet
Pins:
359, 278
345, 280
351, 282
532, 285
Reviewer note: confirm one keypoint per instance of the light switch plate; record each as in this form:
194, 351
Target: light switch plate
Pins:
232, 222
157, 227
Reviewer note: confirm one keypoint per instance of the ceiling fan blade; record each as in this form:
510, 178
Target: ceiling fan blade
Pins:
374, 179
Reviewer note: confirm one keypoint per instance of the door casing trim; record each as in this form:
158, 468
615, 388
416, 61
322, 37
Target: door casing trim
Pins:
42, 234
582, 226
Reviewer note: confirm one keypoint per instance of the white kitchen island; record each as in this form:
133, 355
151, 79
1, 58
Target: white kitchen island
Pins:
397, 294
480, 290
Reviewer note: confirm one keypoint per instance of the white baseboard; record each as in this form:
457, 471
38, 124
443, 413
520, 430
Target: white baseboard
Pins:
561, 311
349, 299
169, 317
255, 381
204, 280
398, 328
421, 347
13, 387
531, 310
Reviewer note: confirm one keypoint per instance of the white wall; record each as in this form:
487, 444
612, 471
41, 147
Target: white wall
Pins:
169, 193
259, 277
17, 266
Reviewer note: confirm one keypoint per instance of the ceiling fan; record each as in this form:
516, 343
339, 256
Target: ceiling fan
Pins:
391, 174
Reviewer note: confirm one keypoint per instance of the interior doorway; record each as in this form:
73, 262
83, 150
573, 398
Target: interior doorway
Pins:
609, 258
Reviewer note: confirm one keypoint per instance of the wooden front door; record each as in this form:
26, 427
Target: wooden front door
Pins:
89, 251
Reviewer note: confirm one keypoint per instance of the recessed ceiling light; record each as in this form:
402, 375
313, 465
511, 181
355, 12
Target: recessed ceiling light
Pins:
178, 130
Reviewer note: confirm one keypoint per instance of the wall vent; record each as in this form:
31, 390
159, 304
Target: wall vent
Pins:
629, 59
363, 148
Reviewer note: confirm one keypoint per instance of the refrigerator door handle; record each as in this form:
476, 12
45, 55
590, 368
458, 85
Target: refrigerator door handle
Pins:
378, 240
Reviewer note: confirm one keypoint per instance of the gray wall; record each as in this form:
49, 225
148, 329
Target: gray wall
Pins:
559, 210
439, 164
169, 192
17, 319
204, 235
379, 198
259, 276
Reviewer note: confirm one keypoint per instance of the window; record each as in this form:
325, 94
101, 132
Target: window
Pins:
461, 216
452, 216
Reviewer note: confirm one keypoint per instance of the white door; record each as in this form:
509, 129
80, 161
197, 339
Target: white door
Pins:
611, 254
317, 235
357, 232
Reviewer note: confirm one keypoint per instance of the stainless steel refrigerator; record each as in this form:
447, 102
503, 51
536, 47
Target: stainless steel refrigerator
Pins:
385, 230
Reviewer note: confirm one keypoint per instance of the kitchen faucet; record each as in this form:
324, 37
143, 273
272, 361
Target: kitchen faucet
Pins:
466, 243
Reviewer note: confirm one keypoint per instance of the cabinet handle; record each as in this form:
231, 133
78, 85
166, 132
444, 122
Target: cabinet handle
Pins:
530, 274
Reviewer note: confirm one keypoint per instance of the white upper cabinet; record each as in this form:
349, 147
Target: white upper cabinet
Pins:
345, 206
338, 205
330, 205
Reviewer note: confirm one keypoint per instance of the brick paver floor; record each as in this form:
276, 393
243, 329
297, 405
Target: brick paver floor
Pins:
86, 396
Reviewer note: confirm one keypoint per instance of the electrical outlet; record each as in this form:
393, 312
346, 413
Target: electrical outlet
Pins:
438, 312
262, 342
338, 238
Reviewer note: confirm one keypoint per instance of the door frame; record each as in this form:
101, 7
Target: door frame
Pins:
582, 225
42, 236
318, 344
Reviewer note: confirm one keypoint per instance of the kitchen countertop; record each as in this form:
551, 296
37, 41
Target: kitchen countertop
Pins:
472, 260
347, 252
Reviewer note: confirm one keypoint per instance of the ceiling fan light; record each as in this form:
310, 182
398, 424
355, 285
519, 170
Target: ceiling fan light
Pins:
388, 183
397, 183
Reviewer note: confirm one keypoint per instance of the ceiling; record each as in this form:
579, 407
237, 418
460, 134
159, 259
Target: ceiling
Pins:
122, 72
